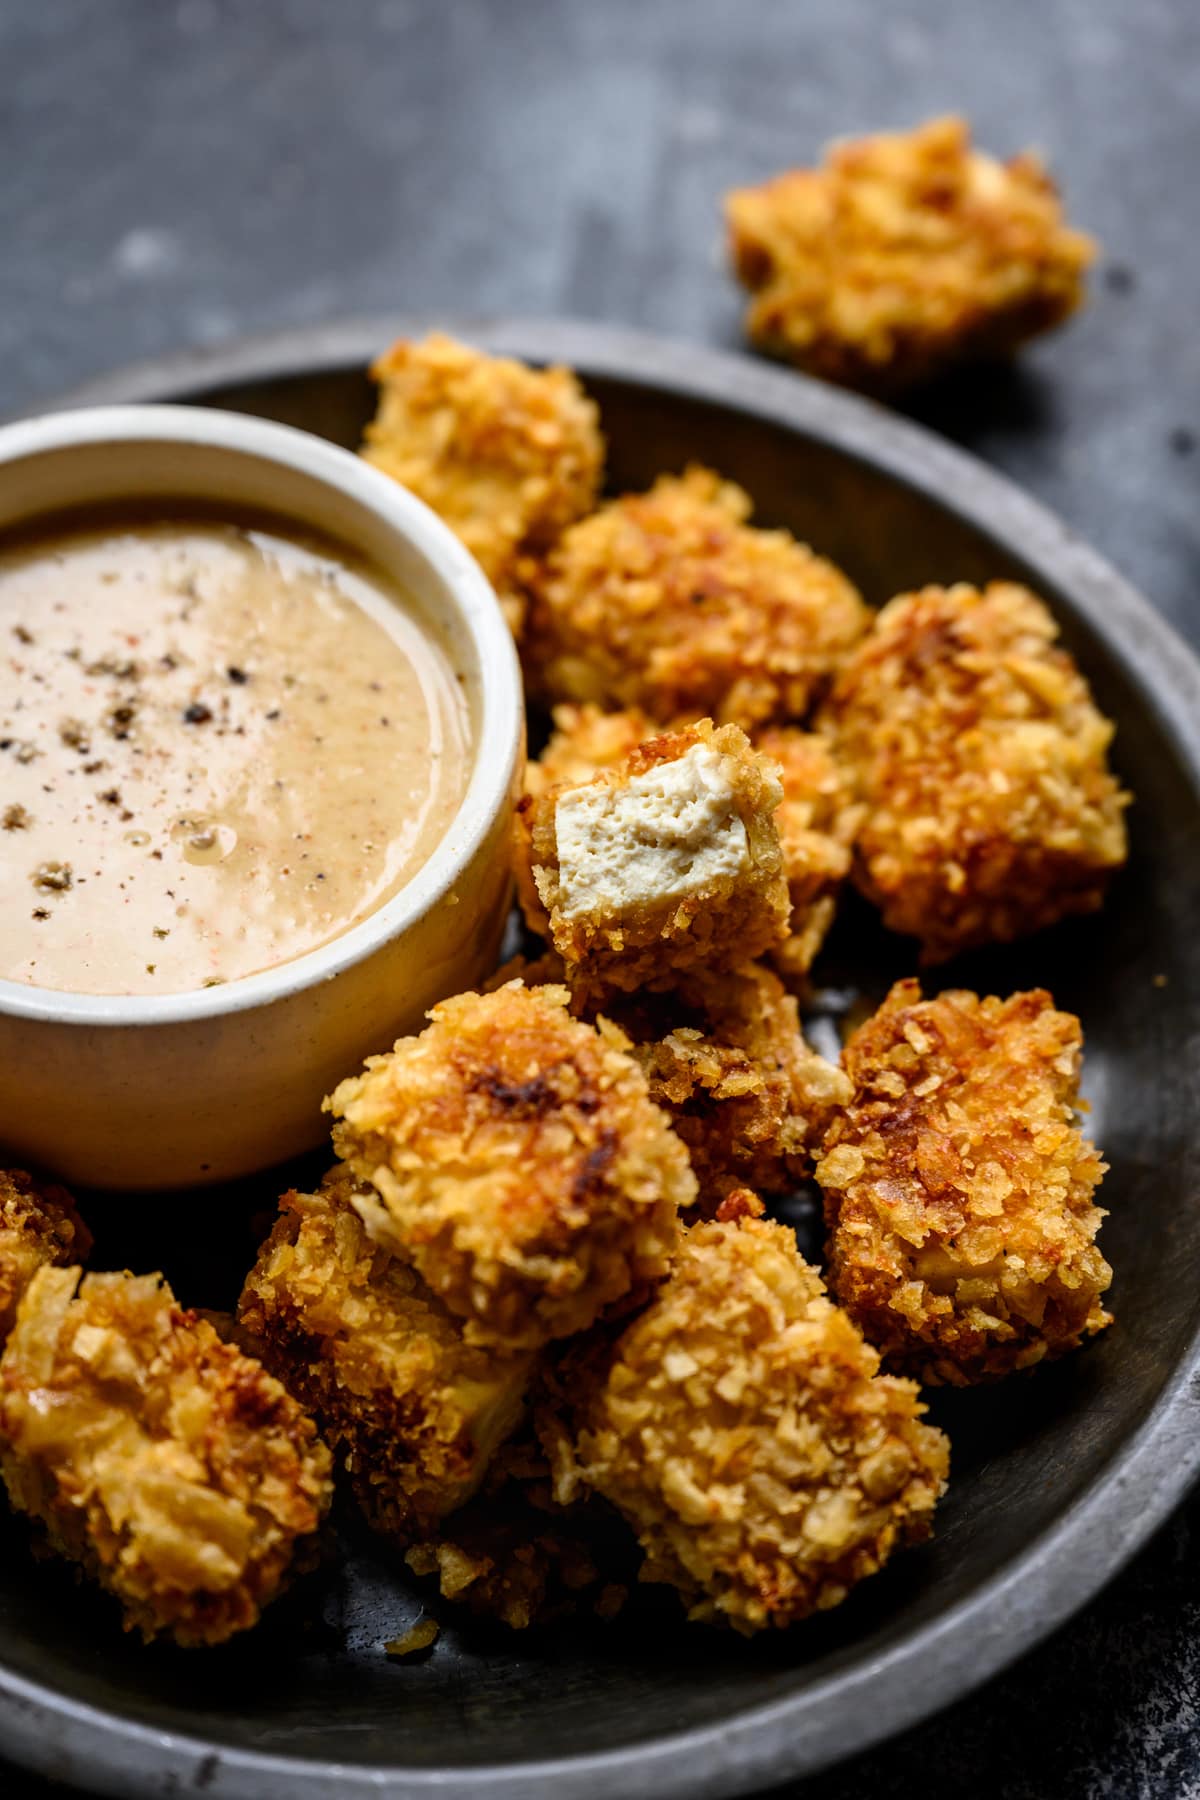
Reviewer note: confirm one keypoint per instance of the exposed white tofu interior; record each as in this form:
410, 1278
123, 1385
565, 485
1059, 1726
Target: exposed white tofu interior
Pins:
659, 836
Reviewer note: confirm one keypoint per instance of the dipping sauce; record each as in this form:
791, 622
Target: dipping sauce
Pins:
220, 748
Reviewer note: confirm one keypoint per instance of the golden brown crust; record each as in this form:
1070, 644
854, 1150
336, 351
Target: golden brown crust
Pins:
519, 1162
725, 1057
724, 1054
902, 254
670, 602
741, 1427
817, 823
817, 818
643, 938
39, 1227
509, 456
412, 1411
959, 1189
173, 1469
981, 761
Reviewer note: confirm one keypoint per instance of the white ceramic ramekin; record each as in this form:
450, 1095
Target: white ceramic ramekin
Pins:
149, 1092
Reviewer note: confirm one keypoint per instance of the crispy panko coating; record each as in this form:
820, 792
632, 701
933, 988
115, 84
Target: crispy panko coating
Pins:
816, 820
39, 1226
902, 254
519, 1163
817, 823
515, 1556
725, 1057
664, 863
176, 1471
671, 602
740, 1426
412, 1411
959, 1189
724, 1054
981, 760
507, 455
585, 740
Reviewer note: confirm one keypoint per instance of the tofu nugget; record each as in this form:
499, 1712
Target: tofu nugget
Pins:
665, 863
740, 1426
507, 455
519, 1162
959, 1191
412, 1411
39, 1227
171, 1467
981, 760
903, 254
817, 818
670, 602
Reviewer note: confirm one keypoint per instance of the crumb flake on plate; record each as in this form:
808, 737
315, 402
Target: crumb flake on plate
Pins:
959, 1189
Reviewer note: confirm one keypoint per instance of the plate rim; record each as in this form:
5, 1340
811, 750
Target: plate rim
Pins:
1060, 1571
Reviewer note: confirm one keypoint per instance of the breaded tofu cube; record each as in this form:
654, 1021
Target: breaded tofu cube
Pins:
902, 254
669, 601
172, 1468
507, 455
741, 1427
412, 1411
519, 1164
667, 862
817, 818
982, 763
959, 1190
39, 1227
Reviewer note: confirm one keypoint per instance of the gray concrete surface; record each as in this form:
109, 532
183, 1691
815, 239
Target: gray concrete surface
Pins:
179, 171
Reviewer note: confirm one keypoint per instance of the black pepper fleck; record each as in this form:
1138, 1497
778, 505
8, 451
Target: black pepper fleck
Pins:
197, 713
238, 676
54, 877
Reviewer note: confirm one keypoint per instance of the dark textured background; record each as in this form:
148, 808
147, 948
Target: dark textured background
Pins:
179, 171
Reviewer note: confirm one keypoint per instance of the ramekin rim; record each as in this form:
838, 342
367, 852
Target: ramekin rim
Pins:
501, 706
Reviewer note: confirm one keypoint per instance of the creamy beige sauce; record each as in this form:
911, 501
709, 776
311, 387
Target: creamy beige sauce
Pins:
219, 749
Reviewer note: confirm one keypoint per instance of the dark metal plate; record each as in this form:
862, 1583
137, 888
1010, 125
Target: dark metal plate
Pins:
1057, 1479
